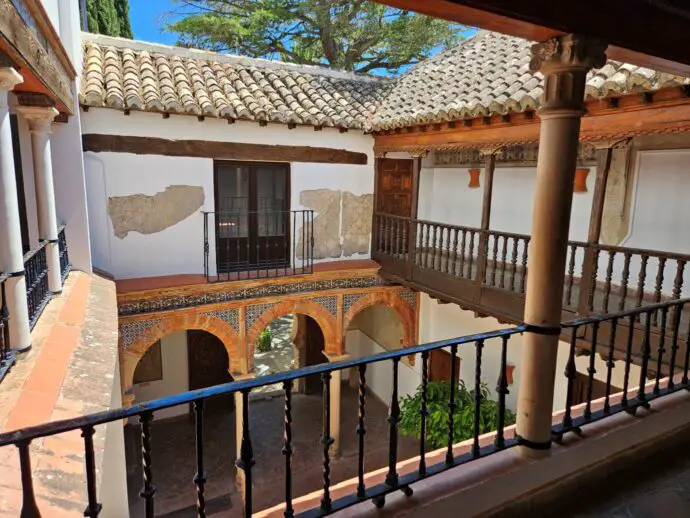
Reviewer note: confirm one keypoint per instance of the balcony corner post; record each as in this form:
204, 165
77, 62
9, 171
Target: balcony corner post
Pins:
489, 155
417, 158
11, 253
564, 62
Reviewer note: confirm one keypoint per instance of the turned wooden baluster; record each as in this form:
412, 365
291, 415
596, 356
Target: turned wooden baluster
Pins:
513, 263
624, 281
494, 259
570, 275
454, 263
593, 280
447, 257
523, 266
641, 282
609, 275
427, 234
462, 253
504, 259
658, 285
471, 255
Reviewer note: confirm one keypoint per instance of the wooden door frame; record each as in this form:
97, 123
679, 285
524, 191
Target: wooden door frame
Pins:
253, 228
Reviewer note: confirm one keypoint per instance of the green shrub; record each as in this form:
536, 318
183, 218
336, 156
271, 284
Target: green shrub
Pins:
265, 340
438, 395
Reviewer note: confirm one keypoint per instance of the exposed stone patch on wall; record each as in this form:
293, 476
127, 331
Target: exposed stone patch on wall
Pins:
151, 214
615, 221
357, 215
342, 223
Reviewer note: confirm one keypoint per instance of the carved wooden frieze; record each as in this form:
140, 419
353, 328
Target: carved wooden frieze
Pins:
21, 29
521, 155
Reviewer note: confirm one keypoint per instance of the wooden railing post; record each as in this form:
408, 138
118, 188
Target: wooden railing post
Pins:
414, 205
588, 280
489, 155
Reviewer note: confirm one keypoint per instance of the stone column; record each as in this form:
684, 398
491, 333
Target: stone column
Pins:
564, 62
336, 384
11, 252
40, 119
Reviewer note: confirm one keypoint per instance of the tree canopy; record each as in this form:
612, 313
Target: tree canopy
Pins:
110, 17
353, 35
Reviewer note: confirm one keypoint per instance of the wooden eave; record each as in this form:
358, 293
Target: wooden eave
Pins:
664, 111
645, 33
47, 71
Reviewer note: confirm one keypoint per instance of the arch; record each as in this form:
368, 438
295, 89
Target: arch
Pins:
182, 322
326, 321
389, 299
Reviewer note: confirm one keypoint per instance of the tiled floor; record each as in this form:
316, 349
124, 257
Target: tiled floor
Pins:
173, 456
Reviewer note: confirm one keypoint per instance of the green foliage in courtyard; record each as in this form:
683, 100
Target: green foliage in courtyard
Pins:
265, 340
109, 17
353, 35
438, 396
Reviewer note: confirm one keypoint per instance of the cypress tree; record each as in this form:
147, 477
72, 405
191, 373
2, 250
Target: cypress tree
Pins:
122, 9
109, 17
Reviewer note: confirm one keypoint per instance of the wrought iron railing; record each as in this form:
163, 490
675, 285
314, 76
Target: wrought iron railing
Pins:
65, 265
597, 278
6, 354
36, 274
394, 481
663, 357
258, 244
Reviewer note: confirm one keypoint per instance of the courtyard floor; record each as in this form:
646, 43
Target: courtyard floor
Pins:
173, 455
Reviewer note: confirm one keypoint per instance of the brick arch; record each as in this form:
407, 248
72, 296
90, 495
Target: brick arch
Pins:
185, 322
389, 299
326, 321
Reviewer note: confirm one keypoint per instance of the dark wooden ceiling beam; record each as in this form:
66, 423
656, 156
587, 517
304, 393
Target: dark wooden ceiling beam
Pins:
662, 42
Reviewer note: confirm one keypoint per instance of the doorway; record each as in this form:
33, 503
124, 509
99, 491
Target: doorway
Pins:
581, 387
314, 355
252, 215
208, 366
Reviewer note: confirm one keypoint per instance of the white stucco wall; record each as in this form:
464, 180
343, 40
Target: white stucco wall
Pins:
175, 375
121, 174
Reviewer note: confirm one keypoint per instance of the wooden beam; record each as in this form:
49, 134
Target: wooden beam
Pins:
414, 206
614, 21
219, 150
483, 247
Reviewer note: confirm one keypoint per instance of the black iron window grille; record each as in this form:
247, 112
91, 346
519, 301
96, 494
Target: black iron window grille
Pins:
65, 265
6, 354
36, 271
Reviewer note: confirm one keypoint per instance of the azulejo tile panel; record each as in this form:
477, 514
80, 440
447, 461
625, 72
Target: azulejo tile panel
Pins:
230, 316
133, 329
350, 300
330, 303
252, 313
409, 296
275, 290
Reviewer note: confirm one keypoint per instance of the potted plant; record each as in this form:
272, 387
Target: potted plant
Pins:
265, 340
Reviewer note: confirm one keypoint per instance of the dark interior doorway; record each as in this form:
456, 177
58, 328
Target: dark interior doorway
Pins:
581, 385
252, 215
439, 366
208, 366
314, 355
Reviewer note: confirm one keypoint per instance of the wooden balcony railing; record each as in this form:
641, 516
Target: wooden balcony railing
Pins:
487, 270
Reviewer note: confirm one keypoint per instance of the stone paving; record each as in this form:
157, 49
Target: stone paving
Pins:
280, 358
173, 455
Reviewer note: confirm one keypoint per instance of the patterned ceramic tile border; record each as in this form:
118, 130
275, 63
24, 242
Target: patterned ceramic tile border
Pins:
254, 312
409, 296
330, 303
350, 300
231, 316
180, 302
133, 329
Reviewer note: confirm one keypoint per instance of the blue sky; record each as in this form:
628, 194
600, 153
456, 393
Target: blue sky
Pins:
148, 20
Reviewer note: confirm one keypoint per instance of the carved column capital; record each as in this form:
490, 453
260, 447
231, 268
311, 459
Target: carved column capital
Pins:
9, 78
565, 61
40, 118
614, 143
490, 150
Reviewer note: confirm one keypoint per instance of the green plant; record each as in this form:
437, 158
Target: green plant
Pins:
438, 396
265, 340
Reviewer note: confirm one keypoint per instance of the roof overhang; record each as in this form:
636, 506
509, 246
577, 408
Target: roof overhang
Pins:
642, 32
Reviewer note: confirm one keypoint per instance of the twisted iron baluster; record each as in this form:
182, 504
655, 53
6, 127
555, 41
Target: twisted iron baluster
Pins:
502, 390
610, 365
591, 371
513, 264
287, 449
424, 412
326, 441
451, 404
646, 355
361, 430
477, 397
674, 347
570, 374
628, 360
200, 477
661, 350
625, 280
29, 506
393, 420
609, 276
246, 460
149, 490
571, 275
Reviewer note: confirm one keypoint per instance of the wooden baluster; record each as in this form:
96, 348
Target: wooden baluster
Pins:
675, 294
641, 282
624, 281
462, 253
426, 244
570, 275
434, 248
523, 279
454, 263
471, 255
609, 275
504, 259
513, 264
658, 285
593, 279
494, 259
448, 244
